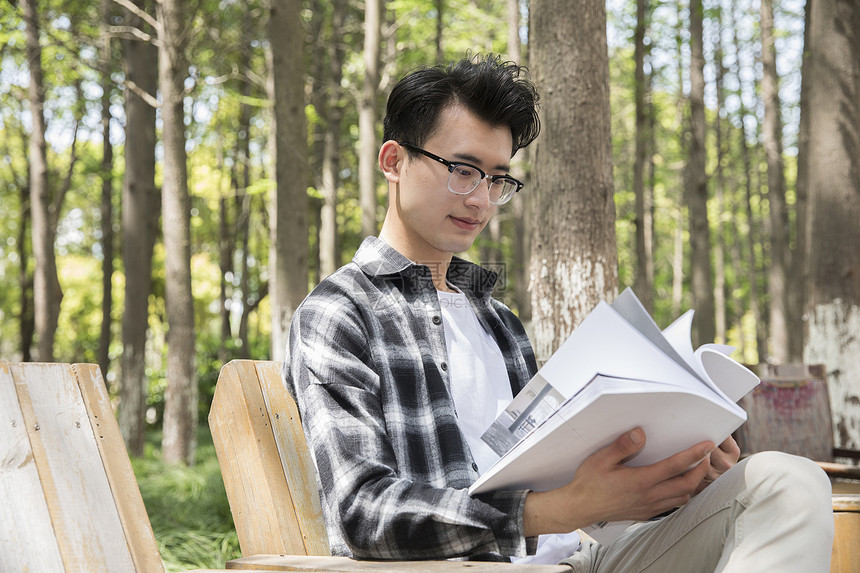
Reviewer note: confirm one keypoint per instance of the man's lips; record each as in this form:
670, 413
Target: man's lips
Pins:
466, 223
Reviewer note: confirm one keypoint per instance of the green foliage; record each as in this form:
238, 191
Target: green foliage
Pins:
187, 507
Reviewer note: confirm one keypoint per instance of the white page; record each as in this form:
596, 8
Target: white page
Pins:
712, 361
733, 378
630, 307
672, 418
605, 343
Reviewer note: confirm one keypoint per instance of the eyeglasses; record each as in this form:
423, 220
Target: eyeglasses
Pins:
464, 178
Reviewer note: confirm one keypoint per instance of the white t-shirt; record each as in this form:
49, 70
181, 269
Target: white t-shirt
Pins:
481, 391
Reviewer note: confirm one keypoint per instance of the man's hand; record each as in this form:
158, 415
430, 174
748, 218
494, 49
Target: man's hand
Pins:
604, 489
721, 459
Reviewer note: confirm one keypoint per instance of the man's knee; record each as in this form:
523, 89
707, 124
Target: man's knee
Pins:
798, 480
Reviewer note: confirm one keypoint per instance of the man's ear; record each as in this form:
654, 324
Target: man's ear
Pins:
391, 157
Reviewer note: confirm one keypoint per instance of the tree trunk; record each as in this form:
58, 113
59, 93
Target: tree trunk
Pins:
751, 238
799, 271
521, 204
574, 260
140, 211
834, 195
719, 196
107, 190
288, 256
46, 286
226, 250
678, 236
242, 177
697, 187
25, 281
440, 26
367, 112
644, 200
180, 400
331, 144
778, 270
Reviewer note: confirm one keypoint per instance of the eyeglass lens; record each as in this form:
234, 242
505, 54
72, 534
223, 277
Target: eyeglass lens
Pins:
464, 179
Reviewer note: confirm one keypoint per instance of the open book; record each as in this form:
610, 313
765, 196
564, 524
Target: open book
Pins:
617, 371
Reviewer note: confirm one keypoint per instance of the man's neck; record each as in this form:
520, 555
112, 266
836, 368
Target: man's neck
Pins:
437, 262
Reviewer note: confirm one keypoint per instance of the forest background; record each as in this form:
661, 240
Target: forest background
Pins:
176, 176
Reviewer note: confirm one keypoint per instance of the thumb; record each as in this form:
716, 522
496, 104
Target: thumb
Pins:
624, 447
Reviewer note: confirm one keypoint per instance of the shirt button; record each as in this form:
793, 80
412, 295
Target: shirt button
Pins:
437, 320
474, 466
444, 366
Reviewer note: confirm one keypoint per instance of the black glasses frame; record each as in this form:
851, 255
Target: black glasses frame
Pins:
451, 165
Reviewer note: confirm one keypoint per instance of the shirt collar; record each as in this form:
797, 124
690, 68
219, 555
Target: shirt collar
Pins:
376, 258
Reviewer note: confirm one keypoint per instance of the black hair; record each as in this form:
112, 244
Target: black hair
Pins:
497, 91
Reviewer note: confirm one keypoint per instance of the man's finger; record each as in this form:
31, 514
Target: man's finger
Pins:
625, 446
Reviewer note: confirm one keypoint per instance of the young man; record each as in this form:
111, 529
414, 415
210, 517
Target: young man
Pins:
400, 360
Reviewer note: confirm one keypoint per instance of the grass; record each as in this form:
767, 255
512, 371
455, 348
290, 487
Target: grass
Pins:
187, 507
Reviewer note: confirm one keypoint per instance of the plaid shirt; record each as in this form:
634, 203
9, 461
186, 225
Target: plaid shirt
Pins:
366, 362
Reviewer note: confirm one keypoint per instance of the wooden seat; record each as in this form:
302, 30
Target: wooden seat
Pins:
271, 483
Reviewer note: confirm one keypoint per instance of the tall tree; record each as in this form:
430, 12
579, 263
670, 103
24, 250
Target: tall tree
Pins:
521, 205
834, 195
574, 258
288, 248
367, 113
778, 269
748, 187
644, 199
43, 205
105, 68
140, 211
719, 189
331, 142
697, 185
180, 399
799, 282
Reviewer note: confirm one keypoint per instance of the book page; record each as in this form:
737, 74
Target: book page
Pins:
630, 307
531, 406
605, 343
733, 378
712, 361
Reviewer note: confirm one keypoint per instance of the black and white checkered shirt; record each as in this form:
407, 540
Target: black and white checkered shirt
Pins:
366, 362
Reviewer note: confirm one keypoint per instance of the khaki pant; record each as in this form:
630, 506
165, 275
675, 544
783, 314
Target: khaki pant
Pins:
771, 512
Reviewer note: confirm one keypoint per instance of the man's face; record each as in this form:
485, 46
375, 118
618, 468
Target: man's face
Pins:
432, 221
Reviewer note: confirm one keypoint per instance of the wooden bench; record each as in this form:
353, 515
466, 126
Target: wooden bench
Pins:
271, 481
271, 485
69, 500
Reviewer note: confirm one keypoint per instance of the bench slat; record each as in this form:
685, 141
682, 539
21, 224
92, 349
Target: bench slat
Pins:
27, 541
347, 565
295, 457
260, 500
79, 499
120, 475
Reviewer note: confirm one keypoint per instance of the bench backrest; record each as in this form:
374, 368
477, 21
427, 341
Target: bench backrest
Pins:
68, 497
268, 471
789, 411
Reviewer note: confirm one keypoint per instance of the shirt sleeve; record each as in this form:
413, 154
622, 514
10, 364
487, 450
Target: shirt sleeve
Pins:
379, 513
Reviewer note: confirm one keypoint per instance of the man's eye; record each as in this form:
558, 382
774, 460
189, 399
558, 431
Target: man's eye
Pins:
464, 171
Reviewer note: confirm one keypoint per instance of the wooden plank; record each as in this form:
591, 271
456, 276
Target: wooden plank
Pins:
123, 484
345, 564
256, 486
296, 460
846, 542
84, 515
27, 540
